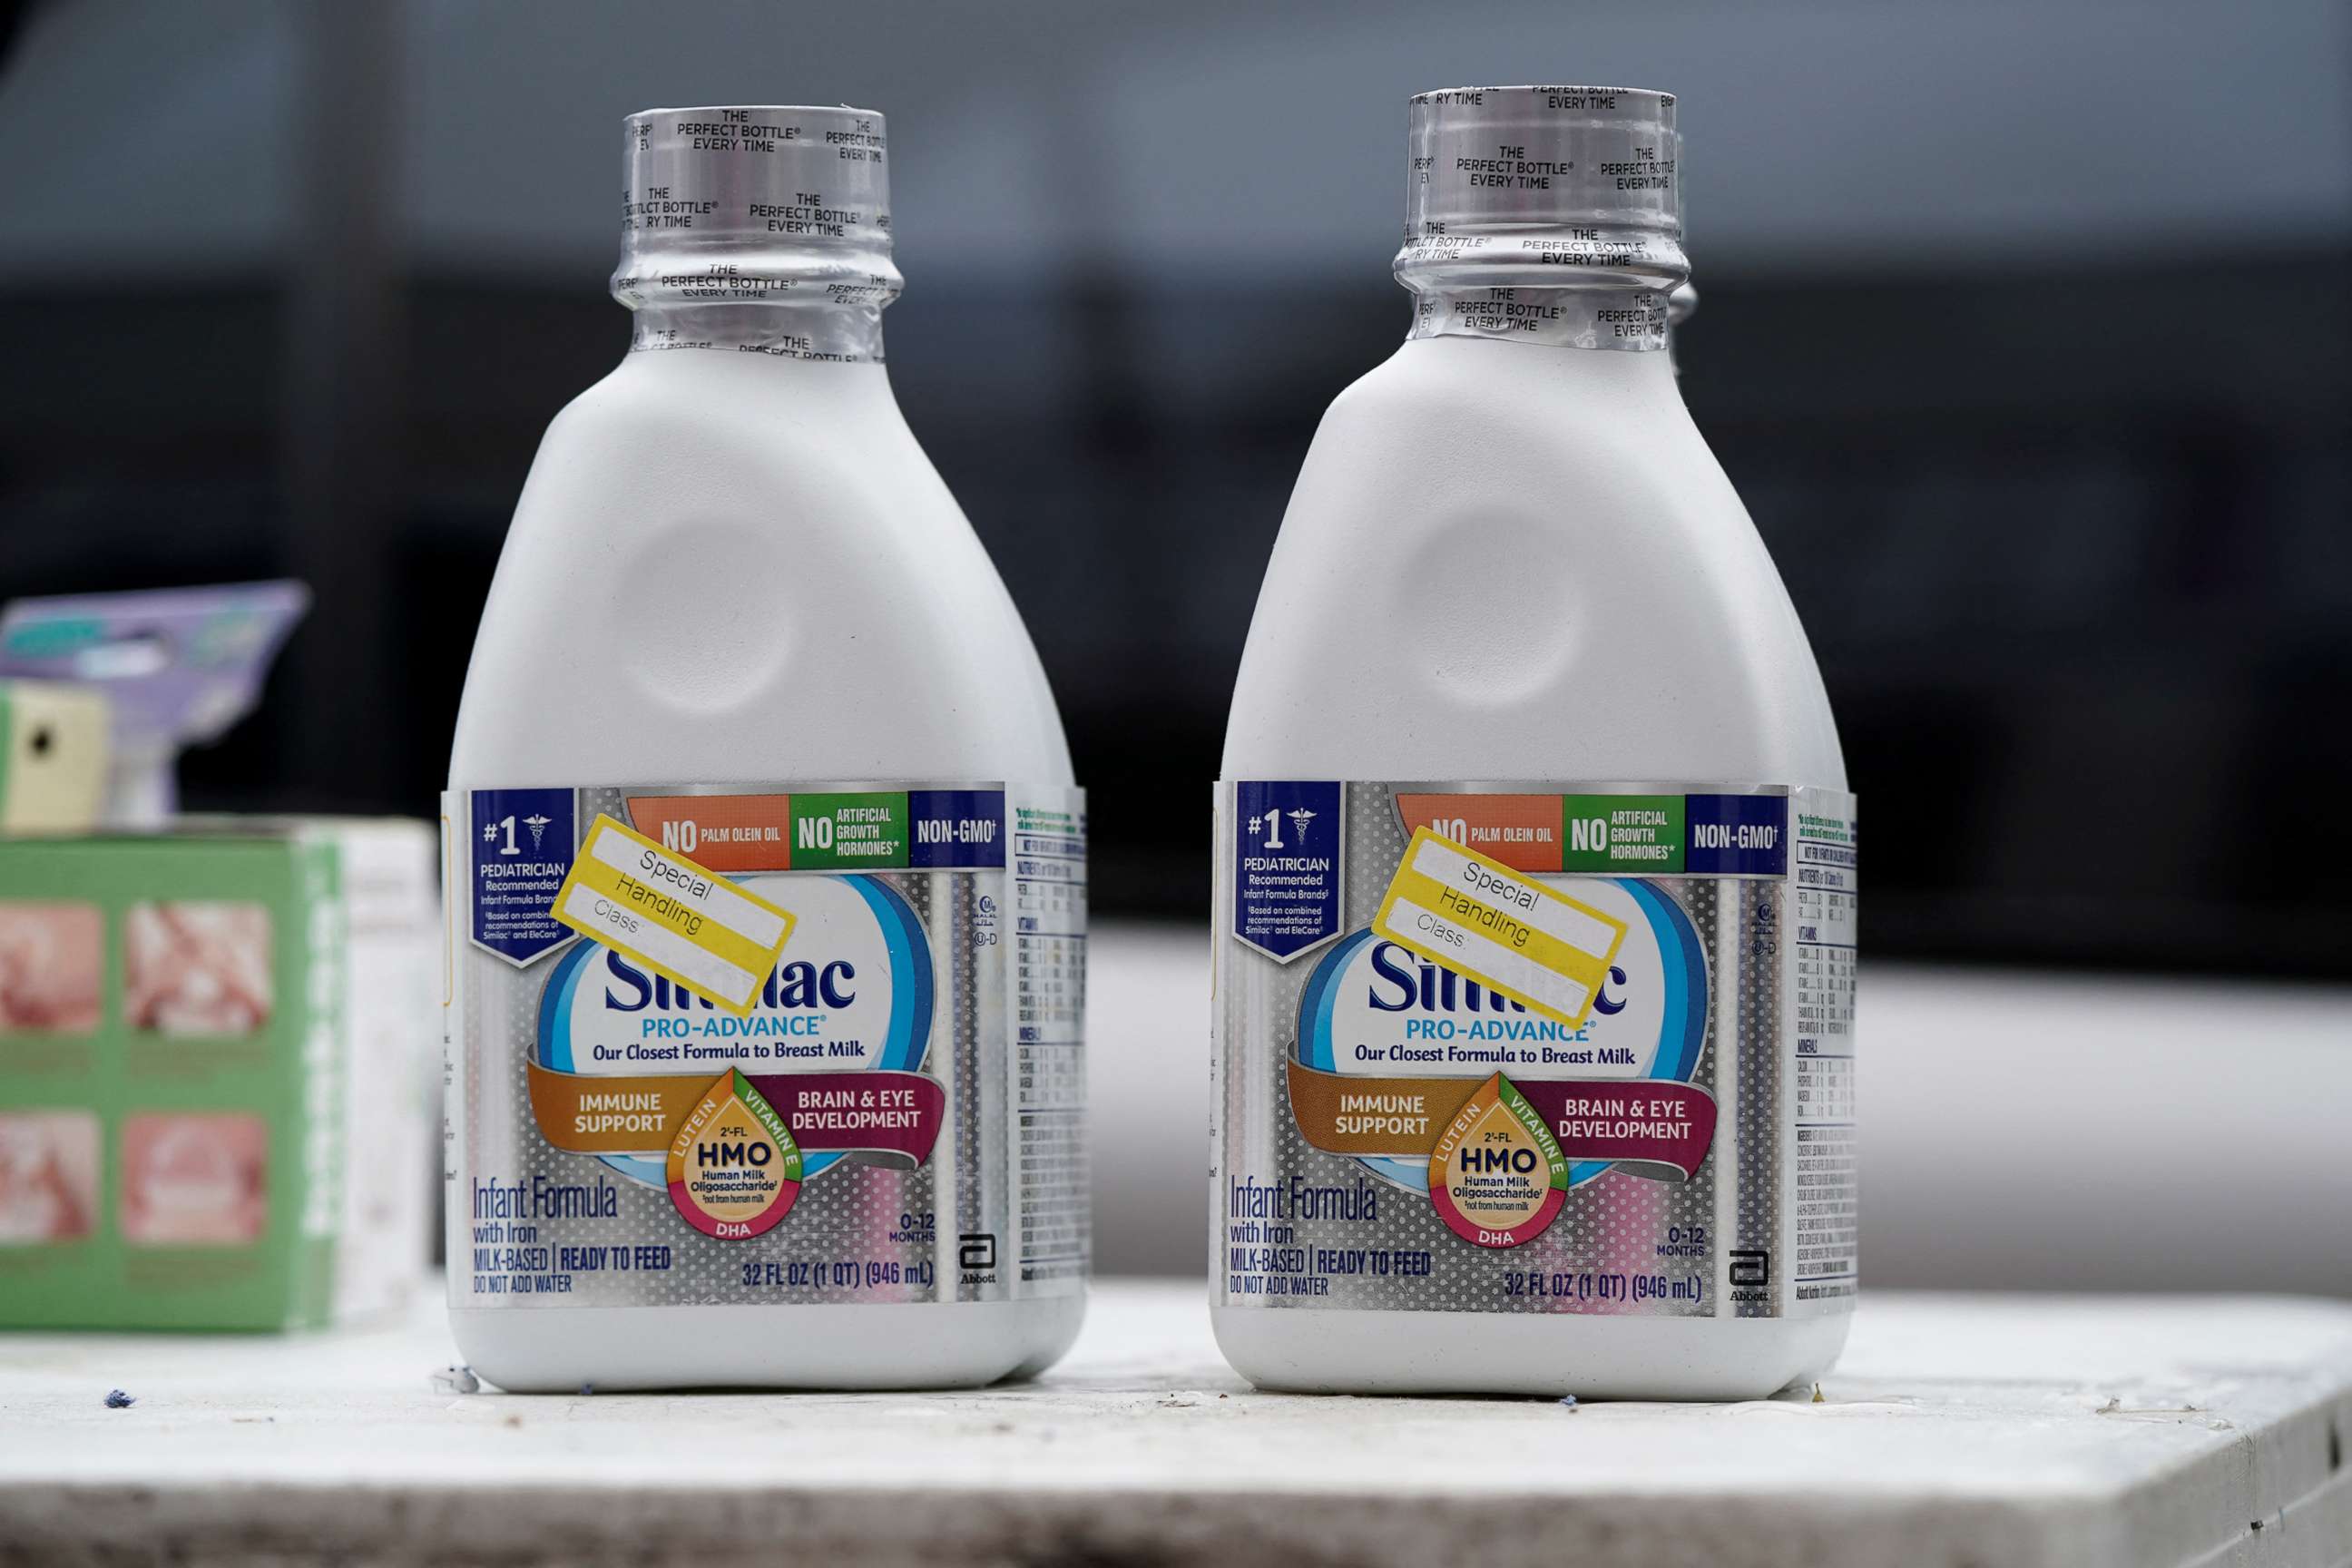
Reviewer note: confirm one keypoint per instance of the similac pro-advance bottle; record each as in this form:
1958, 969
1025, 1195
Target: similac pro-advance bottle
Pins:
1535, 864
768, 874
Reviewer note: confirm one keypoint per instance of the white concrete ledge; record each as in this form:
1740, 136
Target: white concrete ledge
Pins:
2008, 1430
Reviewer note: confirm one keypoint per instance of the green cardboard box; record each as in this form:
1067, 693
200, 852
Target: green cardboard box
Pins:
215, 1049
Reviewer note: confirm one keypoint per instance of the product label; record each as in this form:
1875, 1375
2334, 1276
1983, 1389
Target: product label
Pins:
1540, 1048
791, 1044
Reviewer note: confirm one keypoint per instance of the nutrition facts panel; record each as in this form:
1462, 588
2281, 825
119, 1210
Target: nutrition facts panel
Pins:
1826, 904
1048, 867
1822, 1079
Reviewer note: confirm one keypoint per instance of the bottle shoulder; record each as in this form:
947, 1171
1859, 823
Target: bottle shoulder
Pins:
1516, 401
1523, 563
716, 577
704, 417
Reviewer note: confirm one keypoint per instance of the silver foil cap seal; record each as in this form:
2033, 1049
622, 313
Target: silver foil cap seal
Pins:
1543, 213
760, 229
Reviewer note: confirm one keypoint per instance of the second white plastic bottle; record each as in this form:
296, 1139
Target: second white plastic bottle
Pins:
1515, 601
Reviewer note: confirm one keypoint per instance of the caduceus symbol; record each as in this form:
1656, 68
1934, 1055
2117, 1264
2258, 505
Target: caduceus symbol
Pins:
538, 826
1299, 818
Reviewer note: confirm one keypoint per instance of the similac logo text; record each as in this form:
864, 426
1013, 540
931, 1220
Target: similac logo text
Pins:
1403, 982
787, 1004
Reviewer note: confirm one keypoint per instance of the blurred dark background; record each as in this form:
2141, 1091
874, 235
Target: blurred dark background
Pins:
2024, 337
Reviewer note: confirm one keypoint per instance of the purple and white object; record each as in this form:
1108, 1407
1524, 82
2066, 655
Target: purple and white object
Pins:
178, 665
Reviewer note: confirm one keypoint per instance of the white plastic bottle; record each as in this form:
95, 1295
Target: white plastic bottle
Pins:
739, 613
1535, 866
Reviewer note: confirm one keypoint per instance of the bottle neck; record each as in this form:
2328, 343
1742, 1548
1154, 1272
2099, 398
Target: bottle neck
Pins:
1543, 215
831, 332
756, 228
1627, 320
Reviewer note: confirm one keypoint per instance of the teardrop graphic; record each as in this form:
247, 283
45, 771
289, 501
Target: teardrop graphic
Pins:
734, 1169
1498, 1176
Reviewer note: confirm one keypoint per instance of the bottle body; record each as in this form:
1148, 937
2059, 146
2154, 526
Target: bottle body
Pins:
731, 569
1508, 574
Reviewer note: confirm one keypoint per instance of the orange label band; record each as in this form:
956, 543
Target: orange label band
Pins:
1345, 1115
585, 1115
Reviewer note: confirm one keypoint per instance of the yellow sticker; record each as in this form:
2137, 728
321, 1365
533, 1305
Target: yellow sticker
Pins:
1485, 921
690, 925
